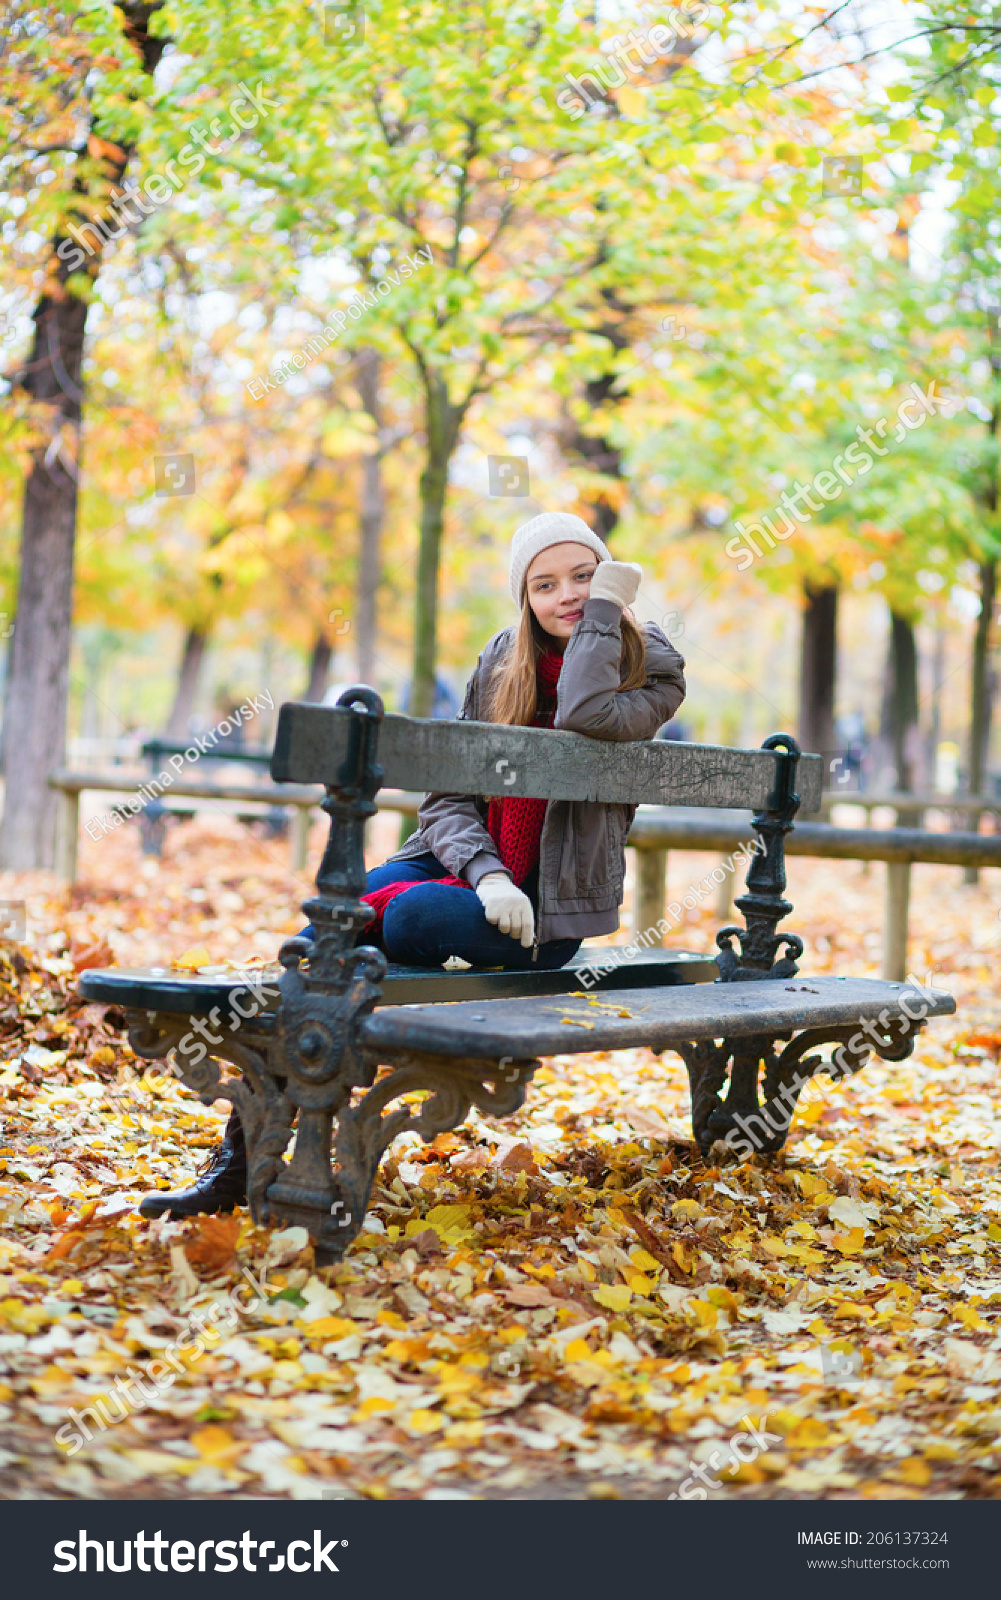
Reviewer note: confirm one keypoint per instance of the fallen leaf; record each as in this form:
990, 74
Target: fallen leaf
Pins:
217, 1447
529, 1294
214, 1243
520, 1158
615, 1296
97, 953
192, 959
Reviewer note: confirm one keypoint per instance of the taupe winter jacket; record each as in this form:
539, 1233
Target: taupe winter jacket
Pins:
582, 851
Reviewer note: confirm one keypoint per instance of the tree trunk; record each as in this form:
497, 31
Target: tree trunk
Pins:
319, 668
38, 680
373, 511
980, 686
818, 668
980, 694
980, 677
901, 705
599, 453
935, 722
443, 421
187, 683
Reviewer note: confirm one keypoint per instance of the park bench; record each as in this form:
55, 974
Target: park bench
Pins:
153, 817
329, 1047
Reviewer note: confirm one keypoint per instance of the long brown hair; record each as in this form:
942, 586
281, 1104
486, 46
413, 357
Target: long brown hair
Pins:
513, 695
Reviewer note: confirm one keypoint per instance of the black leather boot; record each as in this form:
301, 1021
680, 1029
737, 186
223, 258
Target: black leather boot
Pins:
221, 1186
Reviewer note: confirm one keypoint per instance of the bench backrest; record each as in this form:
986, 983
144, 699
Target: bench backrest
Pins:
485, 758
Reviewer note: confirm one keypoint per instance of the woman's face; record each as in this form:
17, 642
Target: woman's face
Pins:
558, 583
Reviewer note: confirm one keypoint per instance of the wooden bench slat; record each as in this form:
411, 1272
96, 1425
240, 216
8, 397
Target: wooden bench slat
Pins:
160, 989
656, 1018
410, 985
312, 744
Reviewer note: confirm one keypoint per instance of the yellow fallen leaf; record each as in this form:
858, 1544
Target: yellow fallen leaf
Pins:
913, 1471
423, 1421
969, 1318
390, 1319
724, 1298
192, 959
575, 1022
458, 1385
329, 1327
53, 1379
643, 1260
703, 1312
851, 1243
447, 1217
216, 1445
809, 1184
24, 1318
641, 1285
685, 1255
847, 1312
793, 1252
287, 1371
806, 1434
613, 1296
374, 1403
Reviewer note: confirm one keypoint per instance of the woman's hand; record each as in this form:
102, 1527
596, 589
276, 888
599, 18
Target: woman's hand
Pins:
506, 907
617, 581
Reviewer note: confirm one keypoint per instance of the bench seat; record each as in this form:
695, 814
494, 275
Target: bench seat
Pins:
657, 1018
162, 989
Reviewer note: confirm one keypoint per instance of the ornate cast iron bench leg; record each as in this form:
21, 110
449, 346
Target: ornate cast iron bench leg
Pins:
265, 1110
750, 1123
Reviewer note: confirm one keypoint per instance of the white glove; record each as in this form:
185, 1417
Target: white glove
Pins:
506, 907
617, 581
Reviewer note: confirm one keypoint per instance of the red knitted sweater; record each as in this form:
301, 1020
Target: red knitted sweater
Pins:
515, 825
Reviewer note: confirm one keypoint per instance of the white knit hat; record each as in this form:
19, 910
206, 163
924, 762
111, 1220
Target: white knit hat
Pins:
552, 527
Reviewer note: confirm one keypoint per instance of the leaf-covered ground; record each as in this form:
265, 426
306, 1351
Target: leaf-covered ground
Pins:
566, 1303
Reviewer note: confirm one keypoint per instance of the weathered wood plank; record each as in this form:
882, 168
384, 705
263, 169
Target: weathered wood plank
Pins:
157, 989
658, 1018
487, 759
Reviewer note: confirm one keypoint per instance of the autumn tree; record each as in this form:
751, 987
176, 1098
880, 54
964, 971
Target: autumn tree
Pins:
72, 106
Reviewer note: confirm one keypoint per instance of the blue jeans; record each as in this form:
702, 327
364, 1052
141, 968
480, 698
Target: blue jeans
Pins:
425, 926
